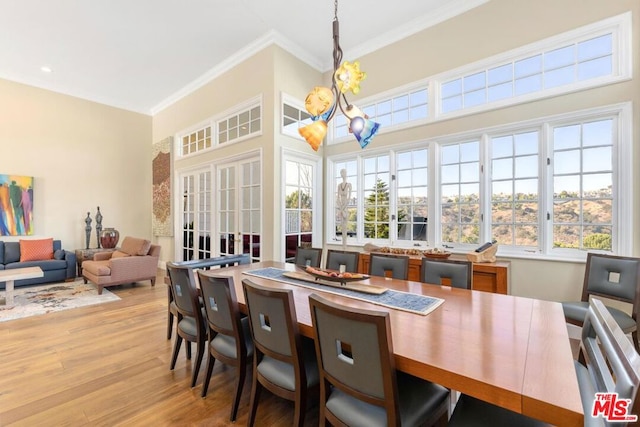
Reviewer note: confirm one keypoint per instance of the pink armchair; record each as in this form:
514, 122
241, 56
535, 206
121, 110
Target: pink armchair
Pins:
135, 260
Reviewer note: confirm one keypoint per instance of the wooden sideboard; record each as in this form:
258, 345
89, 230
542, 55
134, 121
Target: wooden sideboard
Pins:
487, 276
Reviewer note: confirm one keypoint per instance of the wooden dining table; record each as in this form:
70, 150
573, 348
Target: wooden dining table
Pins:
511, 351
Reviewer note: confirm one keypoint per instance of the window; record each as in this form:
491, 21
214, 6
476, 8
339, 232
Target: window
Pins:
376, 178
559, 185
240, 125
244, 121
590, 56
400, 109
460, 192
196, 141
515, 200
298, 206
583, 185
412, 173
293, 118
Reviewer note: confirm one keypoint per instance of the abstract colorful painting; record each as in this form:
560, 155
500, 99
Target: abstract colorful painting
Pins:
161, 167
16, 205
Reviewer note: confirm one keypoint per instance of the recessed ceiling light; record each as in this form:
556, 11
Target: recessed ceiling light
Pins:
45, 69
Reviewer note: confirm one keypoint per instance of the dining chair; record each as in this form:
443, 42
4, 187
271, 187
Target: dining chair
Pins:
228, 336
283, 362
359, 384
308, 257
190, 321
608, 363
613, 277
383, 264
457, 273
172, 310
348, 259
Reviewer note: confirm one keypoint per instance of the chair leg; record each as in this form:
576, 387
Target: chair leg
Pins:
176, 350
256, 387
205, 385
169, 324
300, 408
197, 363
242, 372
188, 344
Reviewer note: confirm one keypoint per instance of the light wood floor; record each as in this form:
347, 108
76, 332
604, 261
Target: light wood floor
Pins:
108, 365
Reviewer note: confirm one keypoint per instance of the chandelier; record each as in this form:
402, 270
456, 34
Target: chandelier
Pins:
323, 102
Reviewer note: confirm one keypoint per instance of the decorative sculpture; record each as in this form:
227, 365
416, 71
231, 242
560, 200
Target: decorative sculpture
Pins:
342, 203
87, 229
98, 226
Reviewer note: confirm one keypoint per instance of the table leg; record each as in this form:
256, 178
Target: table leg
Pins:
8, 294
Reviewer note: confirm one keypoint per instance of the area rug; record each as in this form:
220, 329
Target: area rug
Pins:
43, 299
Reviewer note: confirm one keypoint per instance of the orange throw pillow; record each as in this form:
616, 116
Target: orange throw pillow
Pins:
36, 250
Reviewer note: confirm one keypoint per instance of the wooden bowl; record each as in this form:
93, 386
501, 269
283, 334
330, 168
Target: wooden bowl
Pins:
436, 255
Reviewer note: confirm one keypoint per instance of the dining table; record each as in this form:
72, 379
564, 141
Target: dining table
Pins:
510, 351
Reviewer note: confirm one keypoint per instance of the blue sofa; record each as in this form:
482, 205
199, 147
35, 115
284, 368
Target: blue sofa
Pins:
61, 268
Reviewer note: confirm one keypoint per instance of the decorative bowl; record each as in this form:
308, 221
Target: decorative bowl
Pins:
321, 274
436, 255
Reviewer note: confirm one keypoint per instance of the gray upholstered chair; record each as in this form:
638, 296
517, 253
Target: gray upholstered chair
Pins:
397, 266
612, 277
229, 338
283, 362
337, 258
191, 323
310, 257
457, 273
608, 364
359, 385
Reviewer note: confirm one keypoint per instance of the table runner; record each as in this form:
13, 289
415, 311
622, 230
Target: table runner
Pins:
414, 303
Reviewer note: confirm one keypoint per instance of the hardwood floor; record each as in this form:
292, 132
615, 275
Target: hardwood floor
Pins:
108, 365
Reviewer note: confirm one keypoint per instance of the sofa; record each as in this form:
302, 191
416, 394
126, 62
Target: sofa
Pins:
135, 260
58, 265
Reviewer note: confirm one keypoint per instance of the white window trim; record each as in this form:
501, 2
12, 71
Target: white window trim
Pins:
623, 183
293, 102
317, 209
619, 26
212, 121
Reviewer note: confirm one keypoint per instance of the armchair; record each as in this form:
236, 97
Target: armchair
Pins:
135, 260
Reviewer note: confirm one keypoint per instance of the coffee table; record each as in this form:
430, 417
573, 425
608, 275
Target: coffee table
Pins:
9, 276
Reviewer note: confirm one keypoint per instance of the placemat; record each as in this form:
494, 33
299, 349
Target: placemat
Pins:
414, 303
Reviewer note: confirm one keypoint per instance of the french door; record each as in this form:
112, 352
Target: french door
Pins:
195, 187
239, 207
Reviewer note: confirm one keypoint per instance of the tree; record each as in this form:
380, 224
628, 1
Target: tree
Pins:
598, 241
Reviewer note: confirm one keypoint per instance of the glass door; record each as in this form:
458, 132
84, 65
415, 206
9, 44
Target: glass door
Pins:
196, 215
239, 208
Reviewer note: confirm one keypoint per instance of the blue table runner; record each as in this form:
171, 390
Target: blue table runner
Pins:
419, 304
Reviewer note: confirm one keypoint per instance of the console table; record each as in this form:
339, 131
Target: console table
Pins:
487, 276
85, 254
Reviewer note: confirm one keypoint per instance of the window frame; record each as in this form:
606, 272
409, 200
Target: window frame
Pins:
622, 182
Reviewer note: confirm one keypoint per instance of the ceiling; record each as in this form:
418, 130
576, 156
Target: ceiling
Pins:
142, 55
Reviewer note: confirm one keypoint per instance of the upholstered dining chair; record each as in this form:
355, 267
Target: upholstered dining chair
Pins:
383, 264
458, 273
348, 259
229, 338
310, 257
359, 384
283, 362
613, 277
190, 321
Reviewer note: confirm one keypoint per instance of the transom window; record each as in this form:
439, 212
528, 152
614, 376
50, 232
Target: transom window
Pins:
575, 62
197, 140
293, 118
240, 125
